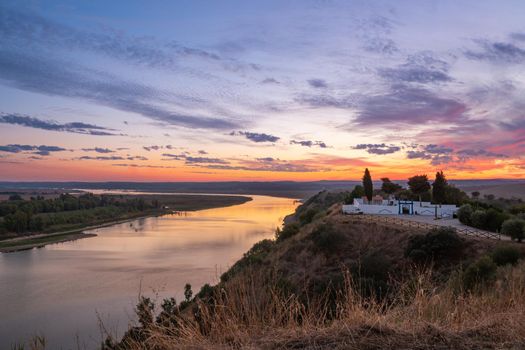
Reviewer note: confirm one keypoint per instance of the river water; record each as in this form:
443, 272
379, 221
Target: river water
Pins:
68, 291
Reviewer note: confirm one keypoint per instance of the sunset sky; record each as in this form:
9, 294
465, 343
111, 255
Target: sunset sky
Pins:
261, 90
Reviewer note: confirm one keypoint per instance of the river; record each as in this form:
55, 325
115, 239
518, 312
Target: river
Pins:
68, 291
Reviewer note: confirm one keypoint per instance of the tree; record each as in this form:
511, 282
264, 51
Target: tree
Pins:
389, 187
419, 185
368, 185
514, 228
454, 195
439, 188
478, 219
464, 214
475, 194
188, 293
357, 192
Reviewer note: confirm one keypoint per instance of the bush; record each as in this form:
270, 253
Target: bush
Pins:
464, 213
326, 238
478, 219
254, 256
436, 244
307, 216
479, 273
505, 255
514, 228
288, 231
494, 220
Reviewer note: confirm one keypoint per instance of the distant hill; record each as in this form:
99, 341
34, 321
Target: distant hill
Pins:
291, 189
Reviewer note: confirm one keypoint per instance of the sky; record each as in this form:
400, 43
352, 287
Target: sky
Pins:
261, 90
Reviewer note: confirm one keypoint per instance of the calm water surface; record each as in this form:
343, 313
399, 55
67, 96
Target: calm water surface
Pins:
63, 290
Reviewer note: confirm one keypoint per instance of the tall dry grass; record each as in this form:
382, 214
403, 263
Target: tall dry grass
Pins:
247, 313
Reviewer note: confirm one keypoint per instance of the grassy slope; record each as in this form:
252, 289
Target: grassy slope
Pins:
296, 294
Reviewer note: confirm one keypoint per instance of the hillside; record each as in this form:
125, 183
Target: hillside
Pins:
331, 281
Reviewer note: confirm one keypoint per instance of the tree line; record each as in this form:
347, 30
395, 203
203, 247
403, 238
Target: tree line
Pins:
18, 215
419, 188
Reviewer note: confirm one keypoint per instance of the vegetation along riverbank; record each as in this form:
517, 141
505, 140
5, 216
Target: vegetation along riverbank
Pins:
34, 222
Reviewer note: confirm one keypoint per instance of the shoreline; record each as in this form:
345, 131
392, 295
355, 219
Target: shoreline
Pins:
40, 240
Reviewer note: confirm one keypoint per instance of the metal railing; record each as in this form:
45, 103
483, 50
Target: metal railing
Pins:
424, 225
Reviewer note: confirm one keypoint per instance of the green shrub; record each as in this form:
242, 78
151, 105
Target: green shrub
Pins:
478, 219
464, 213
479, 273
494, 220
254, 256
505, 255
288, 231
326, 238
307, 216
514, 228
438, 243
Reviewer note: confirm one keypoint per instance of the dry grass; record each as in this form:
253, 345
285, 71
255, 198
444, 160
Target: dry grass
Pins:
246, 314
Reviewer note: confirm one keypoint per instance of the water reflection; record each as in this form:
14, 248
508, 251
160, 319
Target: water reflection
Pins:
57, 290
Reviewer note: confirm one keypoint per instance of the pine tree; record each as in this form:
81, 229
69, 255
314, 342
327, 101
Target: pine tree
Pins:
439, 188
368, 185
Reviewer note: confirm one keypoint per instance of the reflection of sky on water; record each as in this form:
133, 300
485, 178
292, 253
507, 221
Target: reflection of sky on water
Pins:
56, 290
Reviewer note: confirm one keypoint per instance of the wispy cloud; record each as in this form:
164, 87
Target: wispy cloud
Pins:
34, 30
309, 143
379, 149
194, 160
497, 52
317, 83
73, 127
41, 150
409, 106
256, 137
52, 77
98, 150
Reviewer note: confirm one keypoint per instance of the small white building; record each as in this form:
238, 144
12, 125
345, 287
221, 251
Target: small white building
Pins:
392, 206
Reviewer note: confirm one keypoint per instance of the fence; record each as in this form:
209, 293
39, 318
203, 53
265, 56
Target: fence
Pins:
398, 221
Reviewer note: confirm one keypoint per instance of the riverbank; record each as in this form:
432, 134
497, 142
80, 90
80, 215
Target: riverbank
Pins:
169, 204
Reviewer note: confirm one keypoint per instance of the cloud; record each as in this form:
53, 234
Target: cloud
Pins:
379, 149
414, 74
41, 150
55, 78
143, 166
497, 52
256, 137
35, 31
270, 81
153, 147
418, 155
439, 154
317, 83
309, 143
202, 152
473, 153
101, 158
321, 101
517, 36
194, 160
437, 149
266, 159
409, 106
136, 158
98, 150
73, 127
383, 46
287, 167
